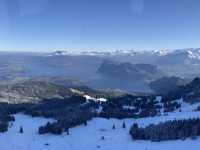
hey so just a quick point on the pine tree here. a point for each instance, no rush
(103, 138)
(85, 123)
(21, 130)
(113, 127)
(67, 130)
(124, 125)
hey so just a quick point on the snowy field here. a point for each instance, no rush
(89, 137)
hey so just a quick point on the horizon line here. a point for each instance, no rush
(97, 50)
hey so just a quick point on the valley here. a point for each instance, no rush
(99, 74)
(76, 100)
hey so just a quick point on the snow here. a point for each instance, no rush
(101, 99)
(193, 54)
(162, 52)
(186, 107)
(128, 107)
(99, 110)
(13, 140)
(95, 99)
(89, 137)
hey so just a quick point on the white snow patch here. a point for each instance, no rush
(95, 99)
(128, 107)
(187, 107)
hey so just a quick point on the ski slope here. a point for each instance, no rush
(89, 137)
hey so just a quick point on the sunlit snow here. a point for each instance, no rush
(89, 137)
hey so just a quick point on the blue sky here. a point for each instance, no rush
(42, 25)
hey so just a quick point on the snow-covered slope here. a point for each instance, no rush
(90, 137)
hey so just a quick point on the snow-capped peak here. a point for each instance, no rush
(194, 54)
(162, 52)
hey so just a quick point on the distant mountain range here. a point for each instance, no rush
(89, 67)
(193, 53)
(180, 62)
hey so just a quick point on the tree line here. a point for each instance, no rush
(170, 130)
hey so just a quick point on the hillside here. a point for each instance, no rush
(31, 90)
(128, 71)
(107, 122)
(189, 92)
(165, 85)
(89, 137)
